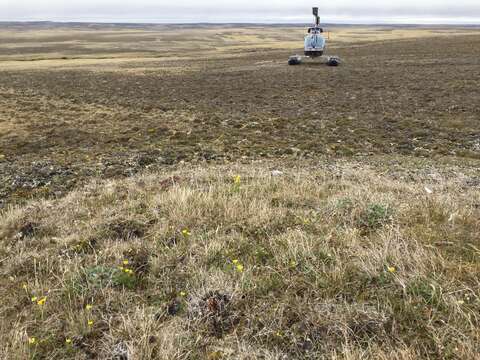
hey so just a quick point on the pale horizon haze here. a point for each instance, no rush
(247, 11)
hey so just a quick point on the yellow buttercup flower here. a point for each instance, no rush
(237, 179)
(34, 298)
(90, 322)
(88, 307)
(125, 262)
(68, 341)
(186, 233)
(127, 271)
(42, 301)
(32, 341)
(293, 263)
(391, 269)
(183, 293)
(235, 261)
(239, 267)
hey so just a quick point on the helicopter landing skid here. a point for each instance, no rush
(327, 60)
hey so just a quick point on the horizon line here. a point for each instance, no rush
(126, 22)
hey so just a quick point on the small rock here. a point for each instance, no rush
(120, 351)
(276, 173)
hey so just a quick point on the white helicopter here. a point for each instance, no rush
(315, 44)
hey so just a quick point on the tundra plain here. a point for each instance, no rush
(179, 192)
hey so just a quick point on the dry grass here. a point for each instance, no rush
(357, 250)
(108, 48)
(337, 262)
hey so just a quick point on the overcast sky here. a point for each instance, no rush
(161, 11)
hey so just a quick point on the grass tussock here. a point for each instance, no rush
(232, 262)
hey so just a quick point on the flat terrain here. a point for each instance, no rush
(179, 192)
(84, 101)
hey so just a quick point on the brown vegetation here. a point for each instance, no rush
(323, 261)
(143, 214)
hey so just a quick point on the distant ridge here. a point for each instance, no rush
(211, 24)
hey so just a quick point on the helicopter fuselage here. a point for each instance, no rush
(314, 42)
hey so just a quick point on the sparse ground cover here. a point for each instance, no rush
(139, 217)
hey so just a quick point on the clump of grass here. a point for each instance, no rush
(296, 266)
(374, 216)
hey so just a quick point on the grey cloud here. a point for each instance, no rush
(247, 10)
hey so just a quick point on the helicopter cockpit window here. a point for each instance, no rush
(315, 30)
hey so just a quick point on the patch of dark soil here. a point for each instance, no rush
(27, 230)
(138, 260)
(213, 313)
(124, 229)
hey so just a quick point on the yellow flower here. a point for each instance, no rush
(42, 301)
(34, 299)
(125, 262)
(391, 269)
(237, 179)
(127, 271)
(68, 341)
(88, 307)
(90, 322)
(239, 267)
(293, 263)
(32, 341)
(183, 293)
(235, 261)
(186, 233)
